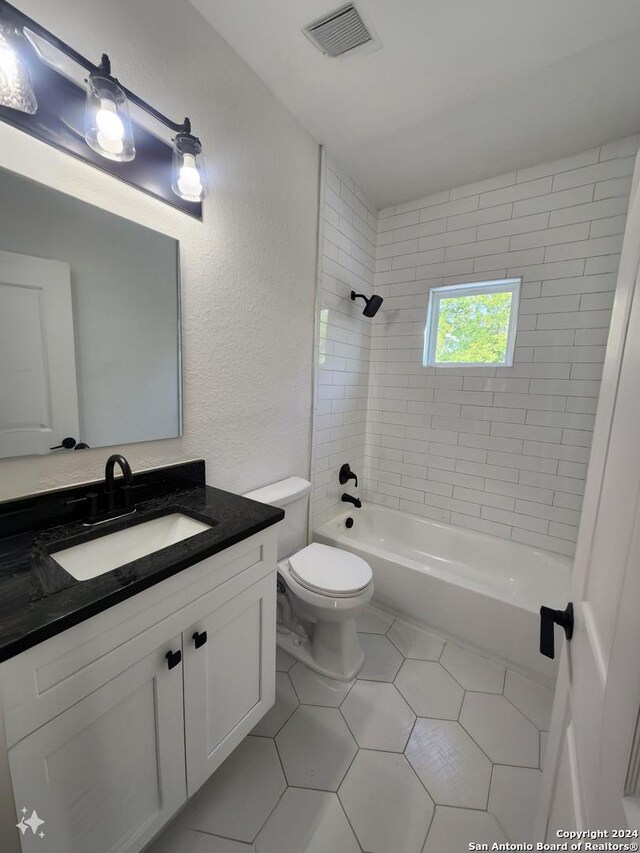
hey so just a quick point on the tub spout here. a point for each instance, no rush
(351, 500)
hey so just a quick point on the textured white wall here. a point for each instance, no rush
(347, 261)
(500, 450)
(248, 270)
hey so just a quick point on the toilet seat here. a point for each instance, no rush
(330, 571)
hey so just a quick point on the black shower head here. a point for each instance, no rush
(372, 303)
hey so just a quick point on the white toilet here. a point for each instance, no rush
(323, 589)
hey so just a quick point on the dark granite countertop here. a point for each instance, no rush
(39, 599)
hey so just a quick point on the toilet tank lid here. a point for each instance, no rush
(282, 493)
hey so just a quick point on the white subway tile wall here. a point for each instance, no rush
(347, 262)
(500, 450)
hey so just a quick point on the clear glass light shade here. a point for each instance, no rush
(108, 129)
(15, 83)
(187, 179)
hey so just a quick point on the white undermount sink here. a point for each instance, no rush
(99, 556)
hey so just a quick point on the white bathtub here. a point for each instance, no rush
(484, 590)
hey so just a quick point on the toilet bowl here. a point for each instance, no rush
(327, 589)
(323, 589)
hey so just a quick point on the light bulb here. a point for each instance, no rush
(187, 169)
(110, 127)
(16, 91)
(189, 182)
(8, 63)
(108, 120)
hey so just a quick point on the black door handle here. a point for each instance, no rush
(173, 658)
(199, 638)
(548, 619)
(68, 444)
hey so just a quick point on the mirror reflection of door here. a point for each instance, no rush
(122, 347)
(38, 391)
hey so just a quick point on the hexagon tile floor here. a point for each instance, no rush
(431, 747)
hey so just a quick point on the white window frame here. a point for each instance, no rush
(436, 294)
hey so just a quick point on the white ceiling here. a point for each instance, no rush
(460, 90)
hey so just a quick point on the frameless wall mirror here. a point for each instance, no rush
(89, 325)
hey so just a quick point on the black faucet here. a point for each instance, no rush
(94, 503)
(109, 480)
(351, 500)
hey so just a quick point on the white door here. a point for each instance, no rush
(38, 393)
(591, 769)
(229, 677)
(106, 774)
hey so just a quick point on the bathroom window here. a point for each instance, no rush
(472, 324)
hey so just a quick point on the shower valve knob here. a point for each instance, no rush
(345, 474)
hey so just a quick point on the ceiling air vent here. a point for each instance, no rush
(339, 31)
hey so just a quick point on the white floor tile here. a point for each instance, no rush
(285, 704)
(514, 790)
(453, 829)
(500, 730)
(388, 797)
(429, 689)
(316, 748)
(374, 621)
(534, 700)
(414, 642)
(386, 804)
(378, 716)
(240, 795)
(307, 822)
(315, 689)
(382, 659)
(453, 769)
(472, 671)
(284, 662)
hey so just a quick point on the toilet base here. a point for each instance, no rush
(334, 650)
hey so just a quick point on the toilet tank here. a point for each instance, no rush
(291, 495)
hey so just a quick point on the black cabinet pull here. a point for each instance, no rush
(548, 619)
(173, 658)
(199, 638)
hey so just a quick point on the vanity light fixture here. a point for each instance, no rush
(167, 170)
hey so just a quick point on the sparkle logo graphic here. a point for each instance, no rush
(33, 823)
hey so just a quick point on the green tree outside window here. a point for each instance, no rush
(473, 328)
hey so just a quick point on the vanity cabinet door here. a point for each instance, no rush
(229, 677)
(106, 774)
